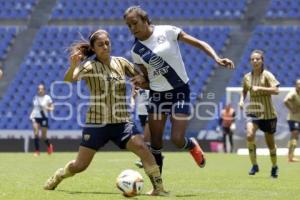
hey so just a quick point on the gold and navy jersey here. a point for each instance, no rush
(293, 97)
(260, 105)
(107, 87)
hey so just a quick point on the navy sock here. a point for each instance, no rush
(158, 157)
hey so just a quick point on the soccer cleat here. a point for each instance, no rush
(294, 159)
(36, 153)
(274, 172)
(198, 154)
(139, 164)
(158, 193)
(54, 180)
(254, 170)
(50, 149)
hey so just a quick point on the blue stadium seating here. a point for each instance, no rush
(279, 9)
(177, 9)
(7, 33)
(16, 9)
(281, 45)
(47, 61)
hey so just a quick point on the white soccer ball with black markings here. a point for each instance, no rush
(130, 182)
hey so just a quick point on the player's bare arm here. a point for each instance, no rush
(225, 62)
(242, 99)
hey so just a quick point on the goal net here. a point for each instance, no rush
(282, 134)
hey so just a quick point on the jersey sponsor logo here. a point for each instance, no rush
(114, 78)
(161, 71)
(156, 61)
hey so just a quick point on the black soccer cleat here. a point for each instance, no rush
(254, 170)
(274, 172)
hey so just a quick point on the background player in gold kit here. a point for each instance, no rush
(261, 84)
(292, 102)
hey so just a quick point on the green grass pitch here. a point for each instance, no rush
(224, 177)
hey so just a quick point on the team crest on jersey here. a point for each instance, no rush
(161, 39)
(86, 137)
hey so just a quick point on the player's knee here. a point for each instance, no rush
(250, 135)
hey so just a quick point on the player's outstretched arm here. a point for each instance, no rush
(225, 62)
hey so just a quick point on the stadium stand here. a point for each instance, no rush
(288, 9)
(7, 34)
(16, 9)
(177, 9)
(282, 47)
(46, 62)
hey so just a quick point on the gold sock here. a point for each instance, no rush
(252, 152)
(273, 157)
(292, 146)
(155, 177)
(67, 172)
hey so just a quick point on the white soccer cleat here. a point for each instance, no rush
(54, 180)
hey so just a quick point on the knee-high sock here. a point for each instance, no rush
(158, 157)
(36, 143)
(155, 177)
(273, 157)
(292, 146)
(252, 152)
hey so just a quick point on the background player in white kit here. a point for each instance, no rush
(42, 104)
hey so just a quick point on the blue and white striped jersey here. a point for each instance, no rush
(161, 56)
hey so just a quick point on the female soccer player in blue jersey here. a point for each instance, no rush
(156, 51)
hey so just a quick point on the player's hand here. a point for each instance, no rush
(75, 58)
(225, 62)
(138, 80)
(241, 105)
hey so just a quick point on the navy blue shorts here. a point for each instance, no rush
(265, 125)
(171, 101)
(96, 137)
(43, 122)
(294, 125)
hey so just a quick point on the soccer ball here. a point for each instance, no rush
(130, 182)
